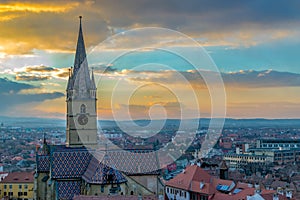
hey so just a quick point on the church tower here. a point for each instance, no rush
(81, 101)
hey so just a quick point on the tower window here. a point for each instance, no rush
(82, 108)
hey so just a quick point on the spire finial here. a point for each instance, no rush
(80, 17)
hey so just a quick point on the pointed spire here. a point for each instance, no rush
(45, 149)
(80, 49)
(93, 85)
(81, 84)
(44, 141)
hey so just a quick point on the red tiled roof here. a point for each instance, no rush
(217, 181)
(191, 173)
(270, 196)
(19, 177)
(207, 188)
(242, 185)
(241, 195)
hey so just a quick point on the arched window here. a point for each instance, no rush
(82, 108)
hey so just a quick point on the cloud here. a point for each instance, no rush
(31, 77)
(34, 25)
(40, 73)
(259, 79)
(11, 96)
(51, 6)
(40, 68)
(240, 79)
(8, 86)
(103, 69)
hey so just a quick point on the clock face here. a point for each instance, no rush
(83, 119)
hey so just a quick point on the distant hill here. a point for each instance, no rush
(31, 122)
(204, 122)
(229, 122)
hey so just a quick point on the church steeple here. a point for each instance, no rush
(80, 55)
(81, 100)
(80, 83)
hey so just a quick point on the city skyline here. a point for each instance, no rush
(256, 54)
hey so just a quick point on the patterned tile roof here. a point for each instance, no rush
(43, 163)
(69, 162)
(66, 162)
(134, 162)
(67, 189)
(99, 173)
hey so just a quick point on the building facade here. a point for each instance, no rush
(17, 185)
(240, 160)
(277, 143)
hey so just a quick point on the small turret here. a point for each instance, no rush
(223, 170)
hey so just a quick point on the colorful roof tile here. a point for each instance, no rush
(68, 189)
(134, 162)
(69, 162)
(98, 172)
(43, 163)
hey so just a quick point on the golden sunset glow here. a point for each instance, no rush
(256, 59)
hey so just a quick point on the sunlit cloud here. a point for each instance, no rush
(40, 73)
(20, 77)
(55, 7)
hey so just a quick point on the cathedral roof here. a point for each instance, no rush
(99, 172)
(135, 162)
(69, 162)
(66, 162)
(67, 189)
(43, 163)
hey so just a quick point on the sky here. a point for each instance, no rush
(252, 45)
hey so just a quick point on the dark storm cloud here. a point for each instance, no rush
(10, 95)
(8, 86)
(208, 14)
